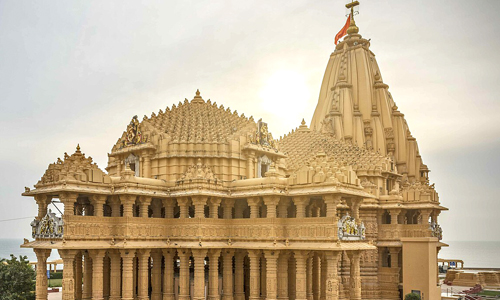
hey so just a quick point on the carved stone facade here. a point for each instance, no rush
(321, 213)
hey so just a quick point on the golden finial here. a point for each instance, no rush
(353, 29)
(197, 92)
(303, 122)
(78, 147)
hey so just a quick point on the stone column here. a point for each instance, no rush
(394, 215)
(250, 165)
(283, 275)
(87, 277)
(115, 275)
(355, 204)
(97, 273)
(394, 257)
(199, 203)
(68, 199)
(324, 276)
(143, 275)
(271, 202)
(300, 203)
(425, 213)
(168, 276)
(332, 283)
(254, 204)
(78, 276)
(41, 273)
(214, 207)
(309, 278)
(292, 267)
(331, 202)
(128, 202)
(184, 274)
(184, 203)
(42, 201)
(146, 168)
(263, 271)
(227, 276)
(317, 277)
(213, 274)
(355, 280)
(144, 202)
(227, 208)
(115, 204)
(128, 256)
(98, 203)
(169, 205)
(254, 256)
(107, 279)
(68, 282)
(239, 275)
(283, 208)
(300, 277)
(156, 275)
(271, 274)
(199, 273)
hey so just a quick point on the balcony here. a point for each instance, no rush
(397, 231)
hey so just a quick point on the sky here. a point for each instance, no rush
(77, 71)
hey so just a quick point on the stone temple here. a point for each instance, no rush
(200, 202)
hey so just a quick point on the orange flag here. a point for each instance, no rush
(343, 31)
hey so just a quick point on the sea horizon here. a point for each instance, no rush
(475, 254)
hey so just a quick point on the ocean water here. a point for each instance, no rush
(474, 254)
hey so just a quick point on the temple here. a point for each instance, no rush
(200, 202)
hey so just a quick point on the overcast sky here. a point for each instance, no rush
(77, 71)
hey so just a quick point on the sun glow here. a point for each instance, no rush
(286, 96)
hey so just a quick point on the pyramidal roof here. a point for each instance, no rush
(355, 105)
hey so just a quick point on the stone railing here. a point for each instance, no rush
(395, 232)
(270, 229)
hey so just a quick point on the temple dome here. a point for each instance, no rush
(355, 105)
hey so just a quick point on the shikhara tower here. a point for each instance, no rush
(200, 202)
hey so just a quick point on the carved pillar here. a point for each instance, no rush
(156, 208)
(42, 201)
(332, 283)
(156, 275)
(292, 267)
(107, 279)
(239, 276)
(309, 279)
(127, 274)
(317, 277)
(271, 273)
(394, 257)
(78, 276)
(227, 276)
(87, 277)
(169, 205)
(213, 274)
(41, 273)
(355, 204)
(68, 199)
(331, 202)
(184, 203)
(128, 202)
(184, 274)
(355, 280)
(254, 204)
(199, 203)
(271, 202)
(115, 204)
(68, 282)
(283, 208)
(300, 277)
(144, 202)
(425, 213)
(213, 209)
(227, 208)
(394, 215)
(263, 277)
(300, 203)
(97, 273)
(146, 167)
(254, 256)
(98, 203)
(199, 273)
(324, 276)
(168, 276)
(250, 165)
(115, 275)
(283, 275)
(143, 276)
